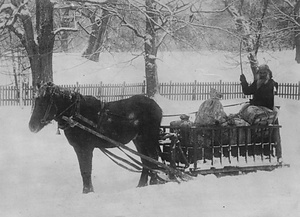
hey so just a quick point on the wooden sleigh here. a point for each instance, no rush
(223, 150)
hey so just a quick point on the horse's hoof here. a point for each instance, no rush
(141, 185)
(158, 181)
(88, 190)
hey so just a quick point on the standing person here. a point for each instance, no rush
(262, 89)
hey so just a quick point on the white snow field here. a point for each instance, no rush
(40, 175)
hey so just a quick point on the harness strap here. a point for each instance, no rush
(44, 119)
(182, 175)
(91, 123)
(111, 156)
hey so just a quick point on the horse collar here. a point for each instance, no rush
(77, 105)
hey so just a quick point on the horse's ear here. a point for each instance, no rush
(55, 90)
(50, 83)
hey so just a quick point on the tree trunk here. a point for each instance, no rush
(39, 47)
(297, 45)
(297, 31)
(64, 35)
(97, 35)
(151, 50)
(46, 37)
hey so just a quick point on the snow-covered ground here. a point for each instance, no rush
(40, 175)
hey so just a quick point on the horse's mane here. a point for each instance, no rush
(50, 89)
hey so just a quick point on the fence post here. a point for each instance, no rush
(144, 87)
(100, 90)
(123, 90)
(21, 94)
(298, 90)
(220, 88)
(170, 90)
(194, 90)
(77, 87)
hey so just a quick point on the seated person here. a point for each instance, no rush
(262, 88)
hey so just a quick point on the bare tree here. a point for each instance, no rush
(160, 18)
(249, 28)
(37, 36)
(289, 12)
(37, 41)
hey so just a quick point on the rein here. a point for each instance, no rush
(225, 106)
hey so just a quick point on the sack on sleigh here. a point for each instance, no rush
(211, 111)
(184, 122)
(258, 115)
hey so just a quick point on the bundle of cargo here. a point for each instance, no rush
(258, 115)
(227, 144)
(211, 111)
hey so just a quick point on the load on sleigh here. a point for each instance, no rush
(251, 135)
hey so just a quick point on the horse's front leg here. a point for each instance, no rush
(85, 156)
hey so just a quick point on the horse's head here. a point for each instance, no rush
(44, 109)
(49, 101)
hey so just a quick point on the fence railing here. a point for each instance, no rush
(11, 95)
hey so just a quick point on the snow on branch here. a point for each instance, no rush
(212, 11)
(9, 13)
(287, 16)
(64, 29)
(136, 32)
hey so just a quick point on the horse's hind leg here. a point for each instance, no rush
(147, 147)
(85, 156)
(145, 172)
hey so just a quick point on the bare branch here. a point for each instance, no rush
(213, 11)
(64, 29)
(13, 12)
(84, 29)
(216, 28)
(100, 2)
(128, 25)
(289, 3)
(260, 26)
(290, 18)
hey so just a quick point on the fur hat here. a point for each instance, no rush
(265, 67)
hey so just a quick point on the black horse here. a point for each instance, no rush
(137, 118)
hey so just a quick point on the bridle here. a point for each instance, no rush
(46, 115)
(56, 116)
